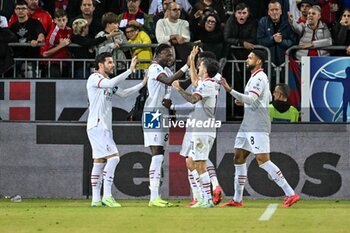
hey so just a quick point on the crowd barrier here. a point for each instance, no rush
(53, 160)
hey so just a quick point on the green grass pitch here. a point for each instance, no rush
(57, 215)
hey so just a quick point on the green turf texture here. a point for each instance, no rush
(56, 215)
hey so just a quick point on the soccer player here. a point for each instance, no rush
(160, 79)
(253, 135)
(204, 97)
(105, 153)
(193, 176)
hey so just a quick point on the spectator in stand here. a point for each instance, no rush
(86, 51)
(27, 30)
(240, 30)
(341, 33)
(210, 34)
(304, 7)
(55, 45)
(101, 7)
(36, 12)
(136, 36)
(313, 34)
(135, 16)
(87, 8)
(6, 53)
(280, 109)
(175, 31)
(158, 6)
(197, 12)
(112, 44)
(122, 6)
(257, 11)
(329, 11)
(275, 33)
(161, 15)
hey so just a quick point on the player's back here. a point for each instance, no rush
(256, 116)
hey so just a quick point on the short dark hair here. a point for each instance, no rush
(212, 66)
(108, 17)
(101, 58)
(160, 48)
(284, 89)
(21, 3)
(274, 1)
(60, 13)
(241, 6)
(260, 54)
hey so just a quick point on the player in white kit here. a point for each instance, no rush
(254, 133)
(156, 136)
(202, 138)
(193, 176)
(105, 154)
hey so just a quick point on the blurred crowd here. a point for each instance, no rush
(107, 25)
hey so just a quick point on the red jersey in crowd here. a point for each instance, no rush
(53, 39)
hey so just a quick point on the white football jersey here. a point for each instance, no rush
(157, 90)
(100, 102)
(256, 116)
(204, 110)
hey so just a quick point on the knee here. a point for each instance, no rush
(190, 164)
(238, 159)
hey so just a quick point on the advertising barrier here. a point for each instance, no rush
(53, 160)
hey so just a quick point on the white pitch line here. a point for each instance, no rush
(270, 210)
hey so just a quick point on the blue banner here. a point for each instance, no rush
(329, 89)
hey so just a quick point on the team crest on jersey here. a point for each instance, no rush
(152, 120)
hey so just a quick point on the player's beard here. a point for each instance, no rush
(250, 67)
(108, 72)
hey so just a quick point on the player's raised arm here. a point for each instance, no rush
(129, 91)
(113, 82)
(191, 61)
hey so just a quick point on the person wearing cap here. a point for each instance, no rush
(304, 7)
(254, 133)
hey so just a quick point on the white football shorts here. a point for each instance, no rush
(256, 143)
(156, 138)
(186, 144)
(102, 142)
(201, 147)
